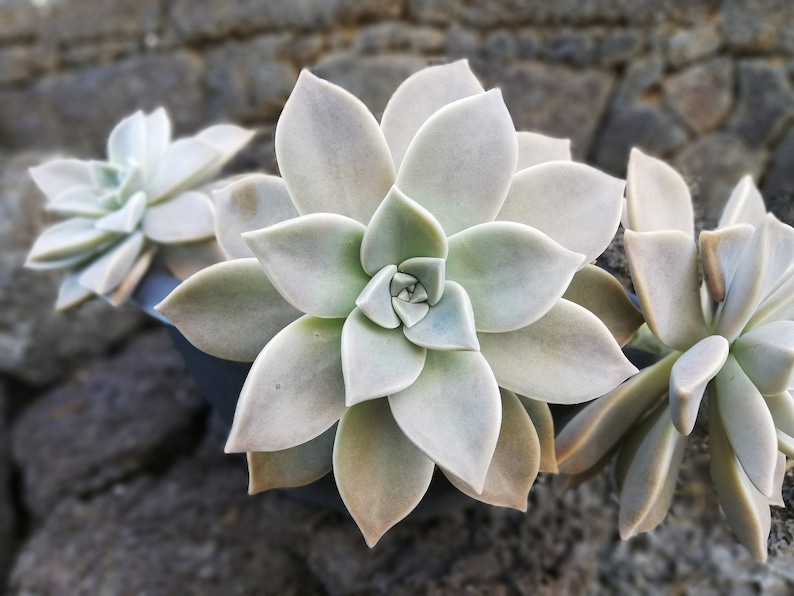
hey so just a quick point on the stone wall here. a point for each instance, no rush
(111, 480)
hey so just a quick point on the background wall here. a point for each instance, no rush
(112, 478)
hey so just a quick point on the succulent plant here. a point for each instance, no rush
(407, 312)
(721, 317)
(147, 197)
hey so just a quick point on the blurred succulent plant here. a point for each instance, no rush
(722, 320)
(146, 197)
(421, 279)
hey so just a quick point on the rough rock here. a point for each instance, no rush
(765, 103)
(642, 77)
(717, 162)
(20, 64)
(574, 47)
(397, 37)
(9, 526)
(760, 26)
(115, 418)
(500, 45)
(702, 94)
(554, 100)
(621, 46)
(778, 178)
(38, 345)
(693, 44)
(17, 19)
(69, 20)
(77, 111)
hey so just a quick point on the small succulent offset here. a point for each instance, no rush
(146, 197)
(405, 295)
(722, 320)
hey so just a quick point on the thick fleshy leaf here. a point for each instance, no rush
(778, 306)
(515, 462)
(331, 152)
(249, 203)
(410, 313)
(228, 139)
(184, 260)
(689, 377)
(720, 253)
(109, 270)
(183, 164)
(158, 137)
(764, 264)
(381, 474)
(453, 413)
(780, 475)
(229, 310)
(575, 204)
(78, 200)
(419, 97)
(657, 197)
(647, 482)
(461, 161)
(54, 177)
(746, 509)
(534, 148)
(185, 218)
(449, 325)
(748, 424)
(313, 261)
(67, 239)
(745, 205)
(540, 414)
(126, 219)
(297, 466)
(782, 409)
(566, 357)
(375, 299)
(512, 273)
(600, 425)
(280, 405)
(127, 286)
(400, 229)
(71, 292)
(127, 144)
(766, 354)
(376, 362)
(601, 294)
(664, 269)
(431, 273)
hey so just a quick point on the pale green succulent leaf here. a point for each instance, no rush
(109, 270)
(419, 97)
(664, 269)
(331, 152)
(745, 205)
(375, 299)
(720, 252)
(78, 200)
(575, 204)
(158, 137)
(513, 273)
(745, 508)
(229, 310)
(766, 354)
(126, 219)
(601, 294)
(461, 161)
(780, 475)
(689, 377)
(281, 406)
(785, 443)
(183, 165)
(185, 218)
(431, 273)
(515, 462)
(376, 362)
(540, 414)
(66, 239)
(400, 229)
(59, 175)
(249, 203)
(313, 261)
(409, 313)
(566, 357)
(227, 139)
(657, 198)
(124, 290)
(183, 260)
(127, 143)
(782, 409)
(453, 413)
(297, 466)
(748, 424)
(651, 476)
(381, 475)
(448, 325)
(778, 306)
(71, 292)
(535, 148)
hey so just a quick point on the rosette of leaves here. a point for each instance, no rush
(421, 279)
(719, 313)
(148, 197)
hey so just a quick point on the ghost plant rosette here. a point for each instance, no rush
(722, 317)
(146, 198)
(422, 301)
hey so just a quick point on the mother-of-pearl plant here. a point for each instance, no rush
(722, 318)
(148, 197)
(420, 265)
